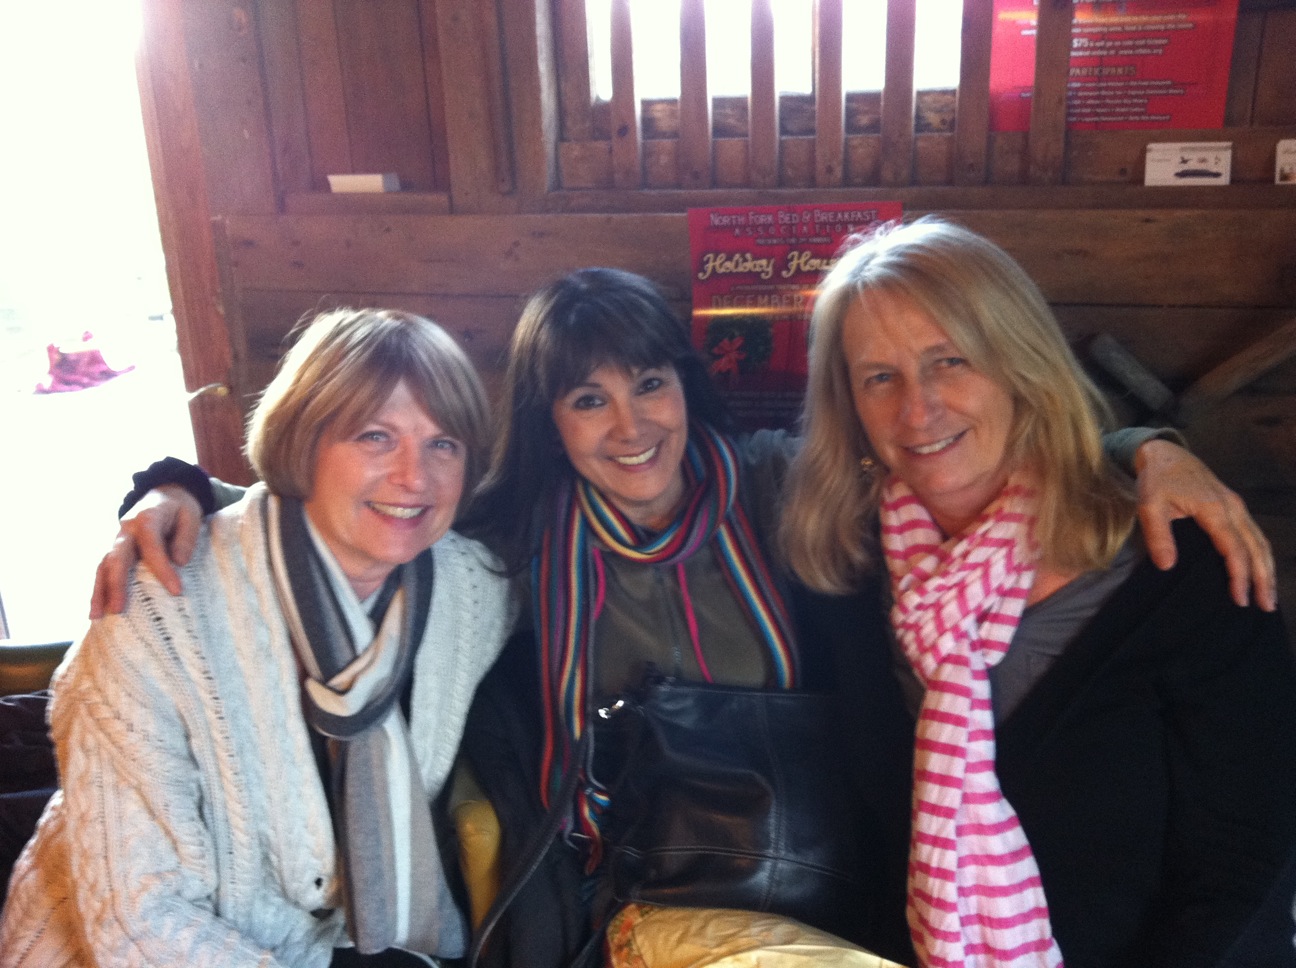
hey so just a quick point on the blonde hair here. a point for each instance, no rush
(340, 371)
(998, 319)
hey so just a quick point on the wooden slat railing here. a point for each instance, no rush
(573, 71)
(627, 143)
(763, 101)
(972, 117)
(898, 95)
(695, 161)
(830, 101)
(1046, 151)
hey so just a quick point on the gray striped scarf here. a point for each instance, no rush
(395, 889)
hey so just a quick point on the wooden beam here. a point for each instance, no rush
(830, 101)
(530, 63)
(763, 100)
(573, 71)
(1046, 142)
(972, 120)
(695, 163)
(322, 92)
(1240, 369)
(898, 95)
(627, 144)
(184, 219)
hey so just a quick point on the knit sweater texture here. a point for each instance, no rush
(192, 826)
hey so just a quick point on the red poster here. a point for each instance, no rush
(755, 271)
(1134, 64)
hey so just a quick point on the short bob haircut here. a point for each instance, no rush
(574, 325)
(338, 374)
(998, 319)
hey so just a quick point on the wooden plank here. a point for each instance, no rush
(796, 164)
(933, 159)
(1259, 199)
(491, 69)
(585, 164)
(972, 131)
(1247, 37)
(763, 99)
(322, 89)
(695, 165)
(220, 38)
(1243, 367)
(1177, 344)
(482, 325)
(898, 95)
(172, 139)
(533, 85)
(573, 70)
(451, 255)
(1046, 141)
(368, 203)
(470, 116)
(385, 89)
(627, 142)
(830, 105)
(1103, 157)
(434, 85)
(1190, 257)
(1008, 158)
(1275, 100)
(283, 79)
(1184, 257)
(731, 162)
(661, 171)
(863, 159)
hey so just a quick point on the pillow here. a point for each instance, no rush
(646, 936)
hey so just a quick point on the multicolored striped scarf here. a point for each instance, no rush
(975, 896)
(568, 586)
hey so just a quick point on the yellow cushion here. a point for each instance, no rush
(479, 855)
(645, 936)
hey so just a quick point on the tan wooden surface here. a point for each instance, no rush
(695, 99)
(1276, 78)
(184, 219)
(322, 91)
(898, 95)
(627, 142)
(972, 136)
(763, 104)
(1158, 257)
(573, 67)
(386, 98)
(1046, 142)
(830, 118)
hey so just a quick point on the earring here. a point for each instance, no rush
(868, 465)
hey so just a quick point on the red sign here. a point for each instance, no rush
(755, 271)
(1134, 64)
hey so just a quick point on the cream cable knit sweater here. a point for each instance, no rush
(192, 827)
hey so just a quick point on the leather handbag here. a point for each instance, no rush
(732, 798)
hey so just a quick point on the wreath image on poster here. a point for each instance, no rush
(738, 346)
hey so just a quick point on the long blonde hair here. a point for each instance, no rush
(998, 319)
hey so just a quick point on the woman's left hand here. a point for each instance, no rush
(1173, 483)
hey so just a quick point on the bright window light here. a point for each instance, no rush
(655, 24)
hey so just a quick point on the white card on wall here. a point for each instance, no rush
(1189, 163)
(1285, 165)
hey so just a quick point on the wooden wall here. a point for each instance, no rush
(512, 176)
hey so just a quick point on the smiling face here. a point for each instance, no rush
(626, 433)
(387, 491)
(932, 418)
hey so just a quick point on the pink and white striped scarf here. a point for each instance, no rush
(975, 897)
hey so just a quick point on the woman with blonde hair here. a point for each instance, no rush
(1105, 761)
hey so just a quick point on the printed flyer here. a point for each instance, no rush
(755, 271)
(1135, 64)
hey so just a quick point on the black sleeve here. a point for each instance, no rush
(171, 470)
